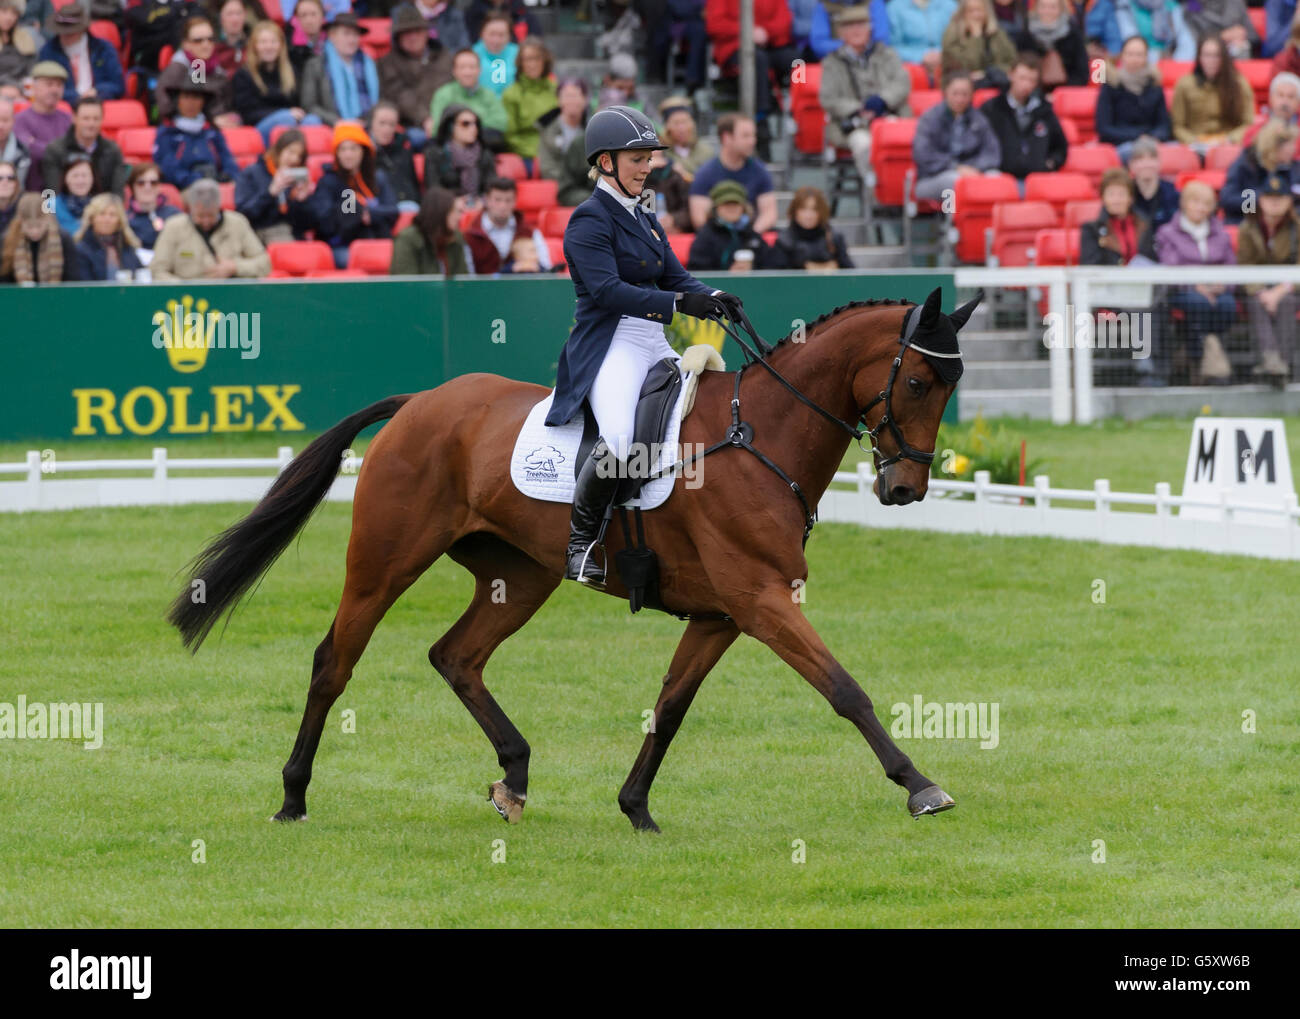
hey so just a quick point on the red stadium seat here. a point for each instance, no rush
(1015, 226)
(1078, 213)
(404, 219)
(891, 158)
(982, 96)
(1172, 70)
(1176, 158)
(371, 257)
(973, 201)
(1092, 160)
(1059, 188)
(245, 144)
(418, 160)
(553, 221)
(1214, 178)
(681, 245)
(316, 165)
(136, 144)
(1222, 156)
(1259, 18)
(467, 219)
(535, 196)
(805, 107)
(511, 166)
(172, 193)
(923, 99)
(378, 39)
(228, 195)
(920, 77)
(320, 137)
(1071, 131)
(109, 32)
(1079, 104)
(555, 247)
(1056, 247)
(123, 113)
(1259, 73)
(300, 258)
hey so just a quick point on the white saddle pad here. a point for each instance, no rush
(542, 463)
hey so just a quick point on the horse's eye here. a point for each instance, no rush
(916, 386)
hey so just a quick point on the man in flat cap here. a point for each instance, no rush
(862, 80)
(92, 64)
(42, 122)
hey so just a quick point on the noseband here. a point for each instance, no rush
(906, 451)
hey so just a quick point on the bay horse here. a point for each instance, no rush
(435, 481)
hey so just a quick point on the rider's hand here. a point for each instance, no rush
(700, 305)
(731, 302)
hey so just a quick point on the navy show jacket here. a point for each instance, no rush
(619, 267)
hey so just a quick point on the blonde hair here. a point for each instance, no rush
(1195, 187)
(287, 80)
(991, 25)
(107, 200)
(1271, 136)
(31, 209)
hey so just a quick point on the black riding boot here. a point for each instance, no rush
(597, 481)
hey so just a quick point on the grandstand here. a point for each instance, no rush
(994, 229)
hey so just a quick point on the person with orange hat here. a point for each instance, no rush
(353, 199)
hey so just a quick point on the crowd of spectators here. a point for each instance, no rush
(422, 142)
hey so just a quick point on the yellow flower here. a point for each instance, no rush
(960, 464)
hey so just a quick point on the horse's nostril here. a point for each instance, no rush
(902, 494)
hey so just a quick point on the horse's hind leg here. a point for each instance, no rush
(367, 596)
(701, 646)
(509, 588)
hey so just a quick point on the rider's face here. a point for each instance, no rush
(633, 168)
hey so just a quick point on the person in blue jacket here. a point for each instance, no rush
(1278, 16)
(72, 41)
(628, 285)
(353, 200)
(187, 146)
(823, 41)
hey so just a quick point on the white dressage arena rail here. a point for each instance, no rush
(1010, 510)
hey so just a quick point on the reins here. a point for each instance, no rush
(741, 433)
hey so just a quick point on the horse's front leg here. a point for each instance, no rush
(777, 620)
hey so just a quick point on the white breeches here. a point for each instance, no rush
(636, 346)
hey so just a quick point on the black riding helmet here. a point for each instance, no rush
(615, 129)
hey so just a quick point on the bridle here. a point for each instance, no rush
(741, 433)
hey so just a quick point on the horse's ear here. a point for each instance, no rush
(931, 311)
(960, 317)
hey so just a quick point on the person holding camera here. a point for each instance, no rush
(861, 81)
(274, 192)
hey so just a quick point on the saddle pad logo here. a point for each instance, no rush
(540, 464)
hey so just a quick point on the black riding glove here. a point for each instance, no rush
(732, 303)
(700, 305)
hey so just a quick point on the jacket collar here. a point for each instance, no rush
(620, 215)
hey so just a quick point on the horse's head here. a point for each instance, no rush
(903, 408)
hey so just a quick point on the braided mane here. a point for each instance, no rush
(875, 302)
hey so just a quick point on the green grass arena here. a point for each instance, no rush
(1123, 790)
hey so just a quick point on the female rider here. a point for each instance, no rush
(629, 284)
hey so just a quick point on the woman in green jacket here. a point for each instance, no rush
(975, 42)
(432, 244)
(528, 97)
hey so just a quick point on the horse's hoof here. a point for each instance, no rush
(284, 815)
(508, 804)
(930, 800)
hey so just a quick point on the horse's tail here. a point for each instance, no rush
(236, 558)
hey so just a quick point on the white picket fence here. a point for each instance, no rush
(1029, 511)
(1012, 510)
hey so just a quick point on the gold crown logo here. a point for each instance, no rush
(189, 326)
